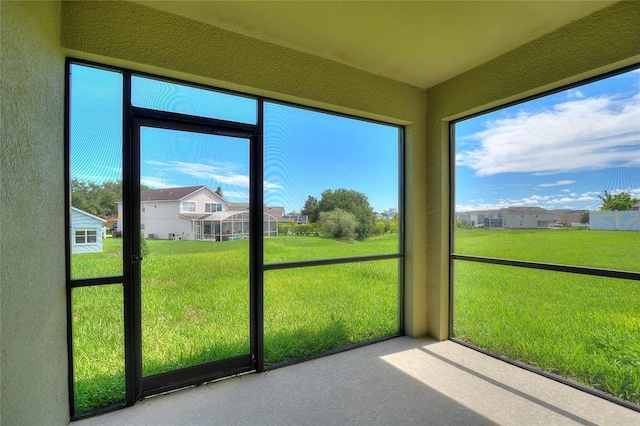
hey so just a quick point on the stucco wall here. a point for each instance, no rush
(126, 34)
(32, 274)
(601, 42)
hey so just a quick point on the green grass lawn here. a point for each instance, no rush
(581, 327)
(195, 306)
(568, 246)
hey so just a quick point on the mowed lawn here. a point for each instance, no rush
(582, 327)
(195, 306)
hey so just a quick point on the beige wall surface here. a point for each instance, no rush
(127, 34)
(602, 42)
(32, 299)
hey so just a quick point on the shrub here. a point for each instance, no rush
(379, 227)
(144, 246)
(339, 224)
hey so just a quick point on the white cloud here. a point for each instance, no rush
(558, 183)
(225, 174)
(270, 186)
(586, 200)
(575, 94)
(585, 134)
(154, 182)
(535, 199)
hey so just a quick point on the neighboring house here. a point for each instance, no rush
(636, 206)
(566, 217)
(196, 213)
(526, 217)
(299, 219)
(479, 218)
(390, 213)
(469, 218)
(87, 232)
(112, 220)
(276, 212)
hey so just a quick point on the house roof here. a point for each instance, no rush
(526, 209)
(88, 214)
(568, 211)
(170, 194)
(478, 212)
(220, 215)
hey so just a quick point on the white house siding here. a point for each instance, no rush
(164, 219)
(527, 220)
(160, 218)
(476, 218)
(614, 220)
(81, 220)
(202, 196)
(567, 217)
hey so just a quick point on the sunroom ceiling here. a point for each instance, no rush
(420, 43)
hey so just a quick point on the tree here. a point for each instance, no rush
(219, 191)
(619, 202)
(378, 227)
(353, 202)
(339, 223)
(99, 200)
(584, 218)
(310, 209)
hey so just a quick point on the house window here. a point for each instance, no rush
(188, 206)
(212, 207)
(548, 297)
(86, 236)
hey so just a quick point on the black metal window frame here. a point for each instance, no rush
(570, 269)
(130, 116)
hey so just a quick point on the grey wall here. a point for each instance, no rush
(32, 275)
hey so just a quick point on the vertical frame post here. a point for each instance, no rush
(256, 241)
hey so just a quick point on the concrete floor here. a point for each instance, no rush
(402, 381)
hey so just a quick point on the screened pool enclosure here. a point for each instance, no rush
(228, 225)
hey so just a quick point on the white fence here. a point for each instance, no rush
(615, 221)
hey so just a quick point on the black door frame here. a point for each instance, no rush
(137, 385)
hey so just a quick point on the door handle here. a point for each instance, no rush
(136, 258)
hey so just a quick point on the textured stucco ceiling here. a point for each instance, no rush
(421, 43)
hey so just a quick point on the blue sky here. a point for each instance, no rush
(556, 152)
(560, 151)
(305, 152)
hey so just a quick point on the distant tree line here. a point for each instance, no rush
(99, 200)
